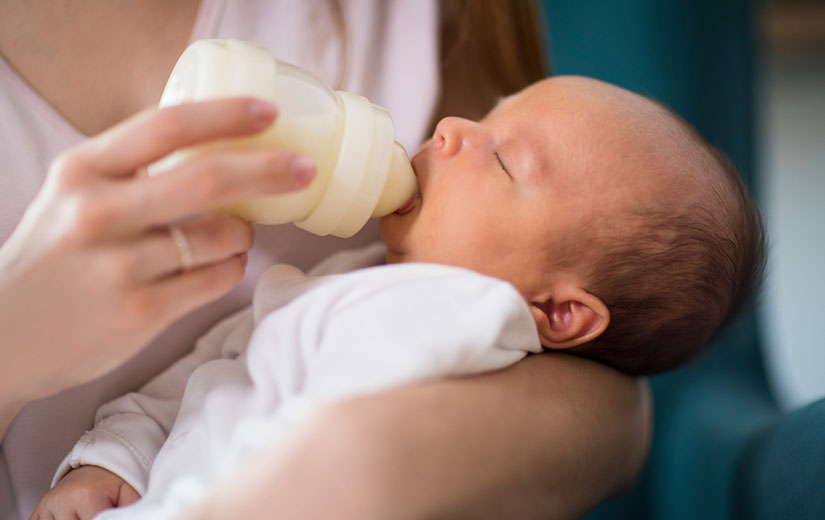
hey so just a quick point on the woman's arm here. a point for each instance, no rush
(129, 431)
(550, 437)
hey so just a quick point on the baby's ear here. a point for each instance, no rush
(570, 317)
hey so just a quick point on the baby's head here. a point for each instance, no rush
(630, 238)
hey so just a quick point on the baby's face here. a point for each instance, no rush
(502, 195)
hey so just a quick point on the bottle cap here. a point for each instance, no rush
(372, 176)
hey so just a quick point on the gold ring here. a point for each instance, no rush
(184, 251)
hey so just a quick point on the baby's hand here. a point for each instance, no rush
(83, 493)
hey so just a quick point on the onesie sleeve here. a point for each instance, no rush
(387, 326)
(130, 430)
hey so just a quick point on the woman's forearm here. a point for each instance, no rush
(548, 438)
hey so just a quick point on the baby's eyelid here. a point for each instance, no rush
(500, 162)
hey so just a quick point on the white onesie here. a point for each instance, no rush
(306, 341)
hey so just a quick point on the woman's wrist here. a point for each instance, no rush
(8, 411)
(13, 397)
(15, 390)
(24, 373)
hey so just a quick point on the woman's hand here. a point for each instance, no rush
(549, 437)
(93, 273)
(83, 493)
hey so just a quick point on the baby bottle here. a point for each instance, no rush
(361, 171)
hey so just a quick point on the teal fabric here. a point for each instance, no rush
(721, 448)
(783, 471)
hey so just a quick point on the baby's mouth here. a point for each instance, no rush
(409, 205)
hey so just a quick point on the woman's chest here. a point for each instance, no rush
(95, 64)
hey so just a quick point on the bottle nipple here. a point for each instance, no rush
(400, 185)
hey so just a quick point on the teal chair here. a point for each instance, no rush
(722, 449)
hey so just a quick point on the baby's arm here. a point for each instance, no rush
(394, 325)
(111, 463)
(423, 322)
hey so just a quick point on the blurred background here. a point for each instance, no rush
(740, 433)
(791, 166)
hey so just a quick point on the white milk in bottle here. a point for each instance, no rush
(361, 171)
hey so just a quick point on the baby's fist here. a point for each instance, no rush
(83, 493)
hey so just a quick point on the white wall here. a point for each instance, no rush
(791, 152)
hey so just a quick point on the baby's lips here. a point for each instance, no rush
(409, 205)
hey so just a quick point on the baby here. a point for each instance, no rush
(576, 216)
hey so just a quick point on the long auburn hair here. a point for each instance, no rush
(488, 49)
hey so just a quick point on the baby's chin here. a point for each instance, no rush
(394, 230)
(394, 257)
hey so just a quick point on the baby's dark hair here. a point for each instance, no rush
(678, 275)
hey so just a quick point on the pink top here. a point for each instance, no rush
(392, 60)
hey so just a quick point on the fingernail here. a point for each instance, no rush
(303, 169)
(262, 111)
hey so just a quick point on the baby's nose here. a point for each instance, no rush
(451, 133)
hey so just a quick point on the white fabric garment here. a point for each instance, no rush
(305, 341)
(391, 58)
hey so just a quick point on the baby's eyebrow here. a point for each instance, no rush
(526, 163)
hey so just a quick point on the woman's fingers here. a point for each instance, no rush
(152, 134)
(207, 181)
(212, 181)
(157, 254)
(90, 232)
(170, 298)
